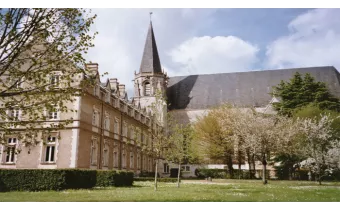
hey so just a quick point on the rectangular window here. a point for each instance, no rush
(138, 161)
(107, 123)
(106, 155)
(14, 114)
(124, 160)
(125, 129)
(166, 168)
(115, 157)
(132, 166)
(94, 149)
(132, 133)
(53, 113)
(50, 149)
(54, 80)
(95, 118)
(10, 150)
(185, 168)
(116, 126)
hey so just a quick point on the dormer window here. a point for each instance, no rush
(147, 89)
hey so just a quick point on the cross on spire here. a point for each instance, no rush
(150, 16)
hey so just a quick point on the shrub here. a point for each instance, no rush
(46, 179)
(144, 179)
(213, 173)
(147, 174)
(123, 178)
(105, 178)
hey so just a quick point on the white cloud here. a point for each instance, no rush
(203, 55)
(314, 40)
(122, 33)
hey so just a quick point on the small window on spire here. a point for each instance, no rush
(147, 89)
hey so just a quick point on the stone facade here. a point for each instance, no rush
(99, 137)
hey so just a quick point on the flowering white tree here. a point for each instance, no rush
(319, 145)
(252, 133)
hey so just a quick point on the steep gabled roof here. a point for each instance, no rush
(150, 60)
(251, 88)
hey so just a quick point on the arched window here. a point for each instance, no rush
(147, 89)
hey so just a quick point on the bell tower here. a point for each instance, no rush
(150, 79)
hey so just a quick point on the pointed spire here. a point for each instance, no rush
(150, 60)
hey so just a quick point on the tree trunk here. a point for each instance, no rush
(230, 166)
(264, 168)
(179, 174)
(239, 170)
(254, 167)
(156, 172)
(290, 173)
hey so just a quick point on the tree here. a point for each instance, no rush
(250, 132)
(300, 92)
(41, 59)
(180, 150)
(214, 141)
(319, 144)
(159, 132)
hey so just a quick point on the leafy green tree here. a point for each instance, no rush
(41, 67)
(181, 150)
(213, 141)
(302, 91)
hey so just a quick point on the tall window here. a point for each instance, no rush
(50, 149)
(116, 126)
(132, 166)
(10, 150)
(166, 168)
(144, 163)
(147, 89)
(125, 129)
(107, 123)
(95, 118)
(132, 133)
(53, 113)
(115, 156)
(124, 160)
(106, 155)
(138, 161)
(14, 114)
(94, 149)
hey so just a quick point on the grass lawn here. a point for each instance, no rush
(193, 190)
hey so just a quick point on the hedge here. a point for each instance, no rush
(60, 179)
(114, 178)
(144, 179)
(147, 174)
(224, 173)
(46, 179)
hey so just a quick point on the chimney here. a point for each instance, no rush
(113, 83)
(121, 90)
(92, 68)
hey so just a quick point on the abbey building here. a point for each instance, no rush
(108, 125)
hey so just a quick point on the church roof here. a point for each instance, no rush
(240, 88)
(150, 60)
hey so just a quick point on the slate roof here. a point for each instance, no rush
(150, 60)
(240, 88)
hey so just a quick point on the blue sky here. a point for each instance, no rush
(203, 41)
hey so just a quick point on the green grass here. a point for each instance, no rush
(193, 190)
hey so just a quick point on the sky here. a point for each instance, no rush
(207, 41)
